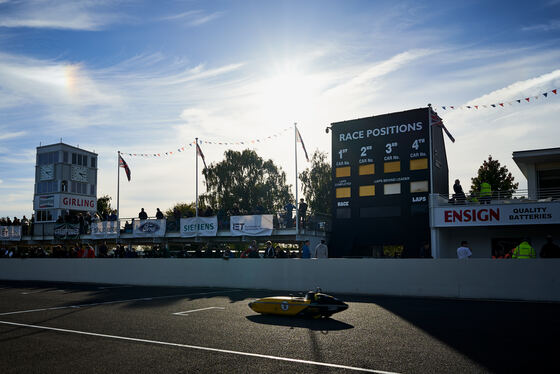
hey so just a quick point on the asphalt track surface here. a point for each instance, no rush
(90, 328)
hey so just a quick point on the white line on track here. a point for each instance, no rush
(186, 312)
(32, 292)
(119, 301)
(240, 353)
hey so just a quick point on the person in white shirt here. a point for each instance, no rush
(321, 250)
(464, 251)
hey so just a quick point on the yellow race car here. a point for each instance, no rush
(315, 304)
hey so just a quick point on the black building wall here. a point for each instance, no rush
(381, 182)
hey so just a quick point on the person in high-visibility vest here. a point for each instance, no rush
(524, 250)
(485, 193)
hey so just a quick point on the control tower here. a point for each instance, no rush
(65, 181)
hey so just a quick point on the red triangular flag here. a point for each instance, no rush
(554, 91)
(527, 99)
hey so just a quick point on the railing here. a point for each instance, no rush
(317, 222)
(499, 197)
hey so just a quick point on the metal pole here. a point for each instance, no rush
(433, 231)
(295, 158)
(196, 155)
(118, 182)
(118, 193)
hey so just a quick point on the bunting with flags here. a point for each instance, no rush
(300, 140)
(124, 165)
(527, 99)
(182, 149)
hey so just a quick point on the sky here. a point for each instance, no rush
(145, 77)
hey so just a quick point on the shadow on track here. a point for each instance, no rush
(323, 324)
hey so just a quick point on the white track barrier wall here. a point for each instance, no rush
(537, 280)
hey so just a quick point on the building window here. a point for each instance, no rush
(93, 162)
(92, 189)
(64, 186)
(74, 158)
(44, 215)
(65, 156)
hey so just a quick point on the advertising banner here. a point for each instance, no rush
(77, 202)
(46, 202)
(257, 225)
(497, 215)
(12, 233)
(104, 230)
(64, 231)
(148, 228)
(201, 226)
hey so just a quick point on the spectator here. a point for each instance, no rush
(302, 211)
(142, 215)
(305, 251)
(159, 214)
(464, 251)
(269, 251)
(549, 250)
(321, 250)
(103, 250)
(177, 216)
(228, 254)
(24, 225)
(524, 250)
(113, 216)
(280, 253)
(289, 208)
(425, 251)
(459, 196)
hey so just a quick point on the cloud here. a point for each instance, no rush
(58, 14)
(521, 89)
(5, 136)
(543, 27)
(194, 17)
(378, 70)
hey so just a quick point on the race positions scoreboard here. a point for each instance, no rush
(381, 182)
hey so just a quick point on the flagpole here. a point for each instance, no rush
(295, 158)
(118, 192)
(196, 155)
(434, 245)
(118, 181)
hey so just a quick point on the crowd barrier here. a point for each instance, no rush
(534, 280)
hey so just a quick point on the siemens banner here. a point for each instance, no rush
(199, 226)
(257, 225)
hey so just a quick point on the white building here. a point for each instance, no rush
(495, 228)
(65, 181)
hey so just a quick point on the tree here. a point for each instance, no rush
(499, 178)
(185, 209)
(104, 205)
(246, 180)
(317, 183)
